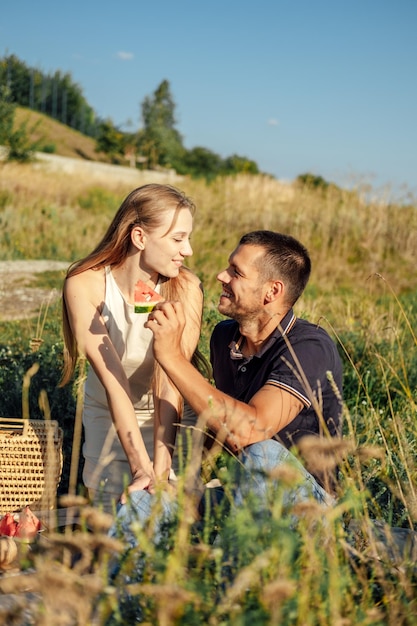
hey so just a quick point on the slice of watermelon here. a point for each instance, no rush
(145, 298)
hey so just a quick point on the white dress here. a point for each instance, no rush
(106, 468)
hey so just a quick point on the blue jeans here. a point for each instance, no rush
(252, 479)
(255, 476)
(141, 508)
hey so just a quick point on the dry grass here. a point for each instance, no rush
(352, 243)
(47, 204)
(349, 240)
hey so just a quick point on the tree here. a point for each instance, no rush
(200, 162)
(312, 181)
(53, 94)
(7, 112)
(159, 141)
(110, 140)
(16, 141)
(236, 164)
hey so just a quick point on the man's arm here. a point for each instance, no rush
(166, 395)
(240, 424)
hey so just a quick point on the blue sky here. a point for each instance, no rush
(323, 86)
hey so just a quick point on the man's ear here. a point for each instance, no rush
(138, 237)
(275, 289)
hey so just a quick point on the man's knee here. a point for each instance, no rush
(265, 455)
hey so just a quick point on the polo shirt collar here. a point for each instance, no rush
(281, 330)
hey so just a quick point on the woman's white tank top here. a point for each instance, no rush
(133, 343)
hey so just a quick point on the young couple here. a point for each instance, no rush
(271, 369)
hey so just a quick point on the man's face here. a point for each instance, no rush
(243, 292)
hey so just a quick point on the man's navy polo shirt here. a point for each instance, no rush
(315, 356)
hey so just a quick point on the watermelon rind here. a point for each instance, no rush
(145, 307)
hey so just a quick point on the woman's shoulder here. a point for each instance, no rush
(89, 281)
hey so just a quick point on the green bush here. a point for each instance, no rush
(98, 200)
(48, 148)
(14, 363)
(17, 141)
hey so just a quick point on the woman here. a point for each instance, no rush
(129, 431)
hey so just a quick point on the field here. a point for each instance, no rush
(339, 569)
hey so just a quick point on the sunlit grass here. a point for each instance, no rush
(335, 567)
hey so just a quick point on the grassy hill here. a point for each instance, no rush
(59, 138)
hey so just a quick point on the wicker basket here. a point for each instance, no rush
(30, 463)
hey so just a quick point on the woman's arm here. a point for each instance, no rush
(83, 294)
(167, 399)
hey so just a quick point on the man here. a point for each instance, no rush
(278, 378)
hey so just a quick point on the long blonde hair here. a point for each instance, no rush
(144, 206)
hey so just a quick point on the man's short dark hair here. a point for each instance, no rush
(285, 259)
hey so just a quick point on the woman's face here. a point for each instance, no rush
(166, 246)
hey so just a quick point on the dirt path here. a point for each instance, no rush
(18, 300)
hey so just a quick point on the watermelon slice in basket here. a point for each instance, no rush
(145, 298)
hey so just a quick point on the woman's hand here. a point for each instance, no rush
(143, 483)
(142, 480)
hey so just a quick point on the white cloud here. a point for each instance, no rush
(272, 122)
(125, 56)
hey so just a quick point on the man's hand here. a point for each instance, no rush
(167, 322)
